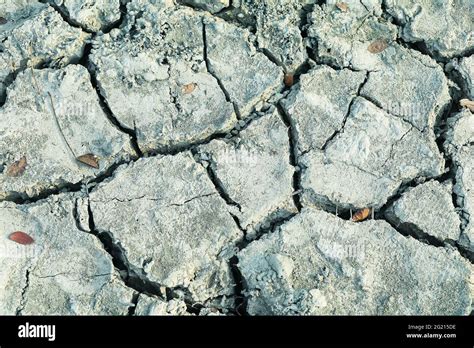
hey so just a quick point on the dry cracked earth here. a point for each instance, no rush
(244, 157)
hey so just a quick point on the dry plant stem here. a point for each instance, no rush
(55, 116)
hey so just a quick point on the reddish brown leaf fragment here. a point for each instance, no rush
(342, 6)
(90, 159)
(289, 80)
(189, 88)
(21, 238)
(361, 215)
(17, 168)
(378, 46)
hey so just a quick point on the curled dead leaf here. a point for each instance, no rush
(17, 168)
(189, 88)
(466, 103)
(361, 215)
(342, 6)
(289, 80)
(90, 159)
(21, 238)
(378, 46)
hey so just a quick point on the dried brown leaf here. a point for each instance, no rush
(189, 88)
(21, 238)
(361, 215)
(90, 159)
(378, 46)
(289, 80)
(342, 6)
(466, 103)
(17, 168)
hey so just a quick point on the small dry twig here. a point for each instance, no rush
(378, 46)
(89, 159)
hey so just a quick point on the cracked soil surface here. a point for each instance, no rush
(244, 157)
